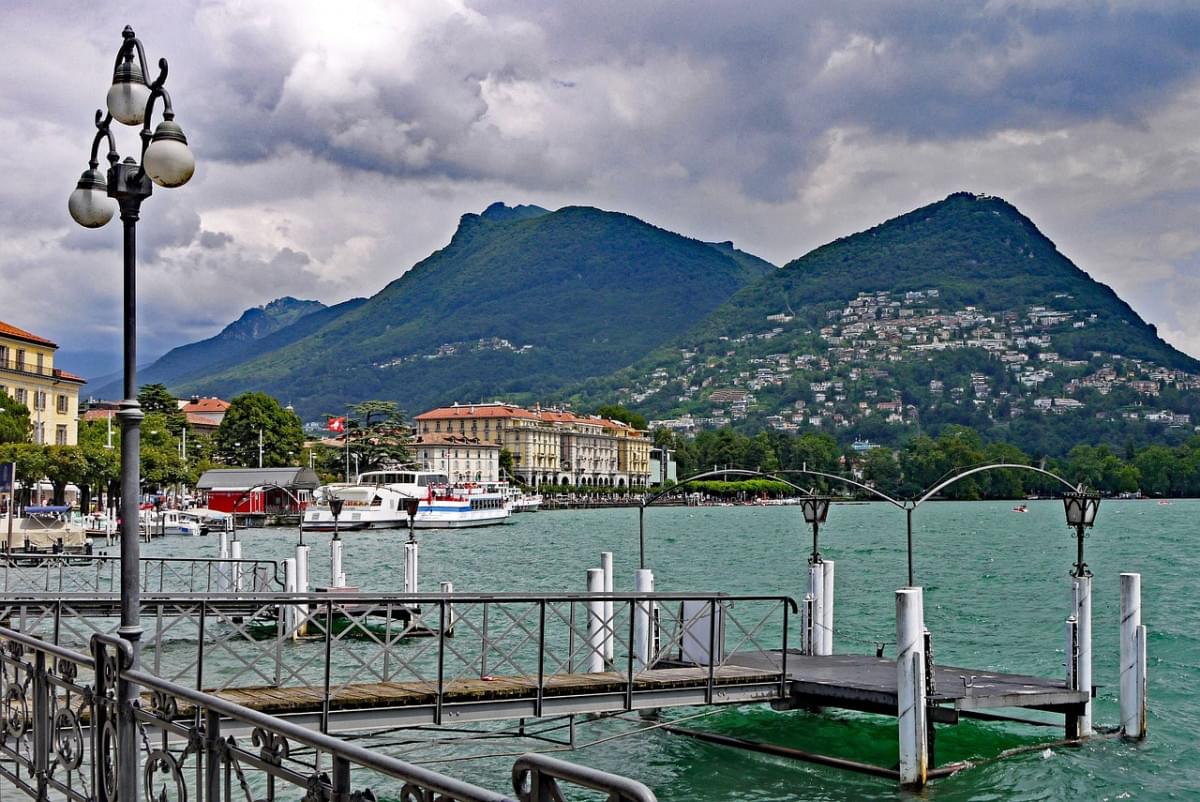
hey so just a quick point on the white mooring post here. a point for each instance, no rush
(910, 686)
(337, 579)
(815, 621)
(222, 579)
(451, 618)
(411, 567)
(1133, 659)
(235, 574)
(1081, 607)
(643, 579)
(606, 565)
(302, 587)
(289, 586)
(827, 608)
(595, 626)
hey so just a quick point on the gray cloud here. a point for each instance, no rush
(338, 144)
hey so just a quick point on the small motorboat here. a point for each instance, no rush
(1020, 508)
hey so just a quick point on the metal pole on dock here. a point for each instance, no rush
(595, 626)
(1133, 659)
(910, 687)
(606, 565)
(816, 618)
(1081, 603)
(337, 578)
(222, 555)
(643, 579)
(451, 617)
(301, 587)
(289, 586)
(411, 556)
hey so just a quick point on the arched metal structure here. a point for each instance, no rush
(908, 505)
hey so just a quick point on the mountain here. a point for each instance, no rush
(961, 311)
(521, 301)
(258, 330)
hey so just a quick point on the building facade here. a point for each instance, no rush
(550, 446)
(28, 375)
(461, 458)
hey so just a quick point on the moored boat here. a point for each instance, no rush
(377, 501)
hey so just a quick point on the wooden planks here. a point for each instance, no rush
(357, 696)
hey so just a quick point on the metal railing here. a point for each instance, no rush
(99, 573)
(66, 734)
(423, 654)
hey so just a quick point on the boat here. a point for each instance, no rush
(170, 522)
(101, 524)
(208, 520)
(1020, 508)
(44, 529)
(376, 500)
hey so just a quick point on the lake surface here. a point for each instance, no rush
(996, 596)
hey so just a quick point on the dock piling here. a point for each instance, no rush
(643, 583)
(1081, 601)
(302, 587)
(337, 578)
(910, 687)
(411, 556)
(235, 577)
(606, 565)
(288, 612)
(827, 608)
(1133, 659)
(595, 626)
(451, 618)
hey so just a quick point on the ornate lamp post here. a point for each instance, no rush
(166, 161)
(1081, 508)
(815, 509)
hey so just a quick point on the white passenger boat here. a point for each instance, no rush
(377, 501)
(170, 522)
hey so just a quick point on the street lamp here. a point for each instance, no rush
(1081, 508)
(166, 161)
(815, 509)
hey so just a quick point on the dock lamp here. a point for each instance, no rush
(815, 509)
(335, 508)
(1081, 507)
(410, 507)
(166, 161)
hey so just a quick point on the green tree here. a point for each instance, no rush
(64, 465)
(31, 465)
(506, 463)
(156, 398)
(379, 436)
(881, 468)
(102, 463)
(162, 464)
(620, 413)
(14, 421)
(1157, 465)
(254, 415)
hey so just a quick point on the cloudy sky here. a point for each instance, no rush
(338, 143)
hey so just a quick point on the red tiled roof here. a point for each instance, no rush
(201, 421)
(98, 414)
(205, 405)
(68, 376)
(476, 411)
(7, 330)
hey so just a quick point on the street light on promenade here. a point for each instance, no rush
(166, 161)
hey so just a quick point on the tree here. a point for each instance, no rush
(14, 421)
(619, 413)
(506, 463)
(156, 398)
(64, 465)
(881, 468)
(380, 436)
(31, 464)
(102, 462)
(161, 462)
(251, 415)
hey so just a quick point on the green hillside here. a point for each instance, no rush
(520, 301)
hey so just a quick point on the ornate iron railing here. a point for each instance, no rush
(74, 728)
(101, 573)
(423, 654)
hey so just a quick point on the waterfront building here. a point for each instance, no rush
(204, 415)
(461, 458)
(550, 446)
(258, 492)
(28, 375)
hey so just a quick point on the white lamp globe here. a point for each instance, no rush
(169, 161)
(128, 94)
(89, 204)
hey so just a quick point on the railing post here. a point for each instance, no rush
(441, 662)
(541, 655)
(483, 650)
(212, 756)
(712, 645)
(328, 665)
(595, 627)
(783, 675)
(341, 779)
(42, 725)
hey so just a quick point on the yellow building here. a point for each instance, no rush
(28, 375)
(550, 446)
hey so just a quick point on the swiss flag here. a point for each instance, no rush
(337, 424)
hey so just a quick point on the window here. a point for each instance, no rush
(60, 435)
(20, 359)
(41, 363)
(20, 395)
(39, 399)
(3, 356)
(62, 404)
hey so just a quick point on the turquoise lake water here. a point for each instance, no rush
(996, 595)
